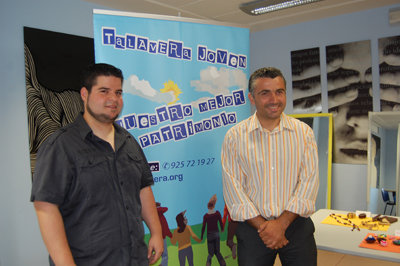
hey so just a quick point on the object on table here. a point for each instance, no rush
(384, 219)
(371, 225)
(367, 214)
(370, 239)
(376, 218)
(389, 219)
(383, 243)
(351, 215)
(381, 237)
(362, 216)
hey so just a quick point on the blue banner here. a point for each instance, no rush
(185, 86)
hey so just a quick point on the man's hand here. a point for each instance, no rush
(150, 217)
(53, 232)
(272, 233)
(156, 248)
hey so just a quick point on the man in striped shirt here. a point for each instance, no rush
(270, 178)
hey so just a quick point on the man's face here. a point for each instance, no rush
(269, 98)
(104, 102)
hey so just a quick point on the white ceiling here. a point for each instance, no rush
(227, 11)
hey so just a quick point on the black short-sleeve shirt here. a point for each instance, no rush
(97, 191)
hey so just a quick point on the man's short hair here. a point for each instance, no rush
(265, 72)
(91, 72)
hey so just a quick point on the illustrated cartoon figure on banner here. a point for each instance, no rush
(165, 232)
(211, 220)
(183, 235)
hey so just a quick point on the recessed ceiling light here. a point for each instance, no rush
(260, 7)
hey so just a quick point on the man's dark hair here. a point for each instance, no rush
(265, 72)
(91, 72)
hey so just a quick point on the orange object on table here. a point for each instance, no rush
(390, 246)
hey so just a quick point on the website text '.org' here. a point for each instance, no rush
(170, 178)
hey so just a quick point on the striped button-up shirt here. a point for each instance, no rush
(267, 172)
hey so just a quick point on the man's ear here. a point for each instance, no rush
(84, 94)
(251, 98)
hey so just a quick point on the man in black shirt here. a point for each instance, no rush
(92, 184)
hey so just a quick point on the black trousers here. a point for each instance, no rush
(301, 250)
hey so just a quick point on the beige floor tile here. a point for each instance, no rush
(328, 258)
(350, 260)
(325, 258)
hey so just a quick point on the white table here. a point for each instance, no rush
(341, 239)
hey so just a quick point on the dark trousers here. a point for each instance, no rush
(301, 250)
(213, 246)
(186, 253)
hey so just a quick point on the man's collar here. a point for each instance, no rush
(85, 130)
(284, 123)
(83, 126)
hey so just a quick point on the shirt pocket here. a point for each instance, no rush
(94, 175)
(131, 171)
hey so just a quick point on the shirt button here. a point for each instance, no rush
(122, 183)
(126, 207)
